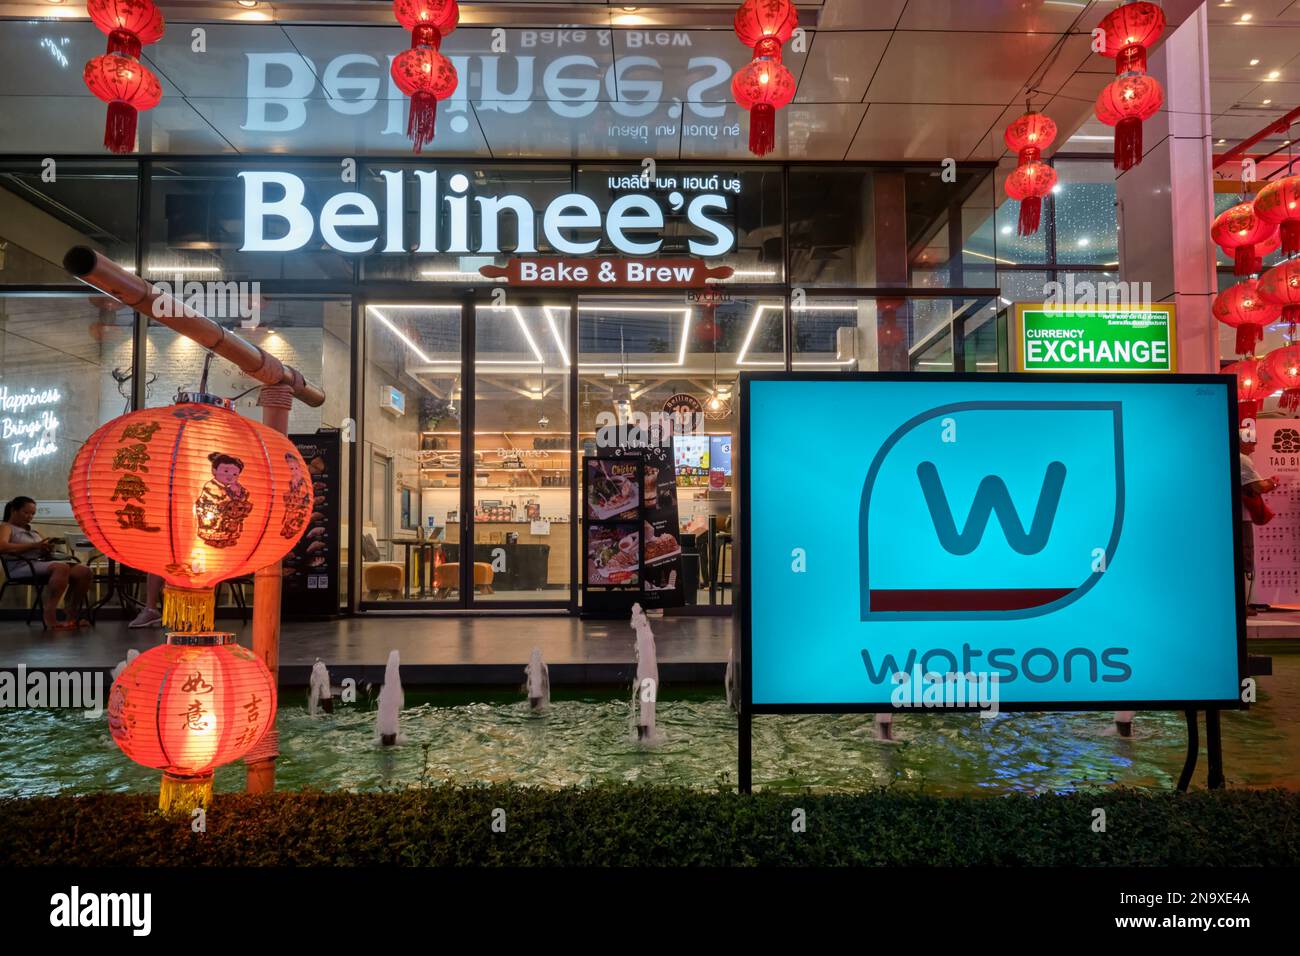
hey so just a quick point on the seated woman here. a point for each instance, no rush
(19, 544)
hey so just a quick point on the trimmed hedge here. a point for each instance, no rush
(658, 826)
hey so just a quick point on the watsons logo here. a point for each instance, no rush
(572, 86)
(1002, 665)
(277, 219)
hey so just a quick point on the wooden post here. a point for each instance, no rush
(276, 401)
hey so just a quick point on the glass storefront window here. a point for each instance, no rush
(1087, 226)
(65, 369)
(87, 203)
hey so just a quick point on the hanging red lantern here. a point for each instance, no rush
(762, 86)
(1238, 232)
(127, 86)
(765, 25)
(1029, 184)
(1242, 307)
(194, 493)
(1125, 103)
(426, 76)
(128, 23)
(1280, 286)
(428, 20)
(1254, 384)
(1283, 366)
(1130, 29)
(186, 707)
(1029, 135)
(1278, 203)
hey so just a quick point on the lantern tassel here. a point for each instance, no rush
(1128, 143)
(124, 42)
(1290, 399)
(182, 795)
(189, 610)
(1245, 262)
(1248, 409)
(1248, 337)
(762, 129)
(1030, 212)
(426, 34)
(1290, 237)
(423, 118)
(119, 129)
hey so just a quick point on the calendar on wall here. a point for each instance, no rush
(1277, 544)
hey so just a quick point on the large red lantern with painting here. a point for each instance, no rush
(426, 76)
(422, 72)
(1280, 285)
(1242, 307)
(1254, 384)
(1278, 204)
(1029, 135)
(194, 493)
(1243, 235)
(186, 707)
(127, 86)
(1029, 184)
(1126, 103)
(128, 23)
(1130, 29)
(762, 86)
(1283, 366)
(766, 24)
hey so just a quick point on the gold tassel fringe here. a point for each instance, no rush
(189, 610)
(184, 795)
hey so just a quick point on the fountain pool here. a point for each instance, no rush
(585, 738)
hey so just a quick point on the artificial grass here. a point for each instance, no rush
(637, 825)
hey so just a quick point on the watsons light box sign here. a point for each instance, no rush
(1023, 530)
(1095, 338)
(279, 218)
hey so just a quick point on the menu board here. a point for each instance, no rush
(311, 569)
(631, 549)
(1277, 544)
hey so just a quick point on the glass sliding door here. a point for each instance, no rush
(522, 453)
(412, 436)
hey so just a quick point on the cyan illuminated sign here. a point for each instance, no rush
(1068, 542)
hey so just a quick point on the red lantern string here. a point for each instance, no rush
(1254, 384)
(1278, 203)
(127, 86)
(1032, 180)
(422, 72)
(1242, 307)
(1133, 97)
(1280, 286)
(764, 85)
(128, 23)
(1243, 235)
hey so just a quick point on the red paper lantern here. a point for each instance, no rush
(1238, 231)
(765, 25)
(127, 86)
(1242, 307)
(426, 76)
(1129, 30)
(428, 20)
(1280, 286)
(1125, 103)
(1254, 384)
(1283, 365)
(194, 493)
(1029, 184)
(1278, 203)
(189, 706)
(1029, 136)
(128, 23)
(762, 86)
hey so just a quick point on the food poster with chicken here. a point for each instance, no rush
(612, 509)
(1277, 544)
(311, 569)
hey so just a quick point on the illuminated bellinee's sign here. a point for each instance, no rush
(572, 224)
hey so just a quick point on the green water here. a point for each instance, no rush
(471, 737)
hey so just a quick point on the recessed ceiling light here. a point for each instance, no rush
(247, 3)
(1245, 17)
(1083, 240)
(53, 1)
(1274, 74)
(1220, 142)
(1255, 62)
(1006, 230)
(1266, 102)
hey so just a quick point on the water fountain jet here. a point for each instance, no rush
(390, 701)
(537, 678)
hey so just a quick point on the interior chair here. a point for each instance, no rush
(722, 559)
(446, 578)
(379, 577)
(37, 583)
